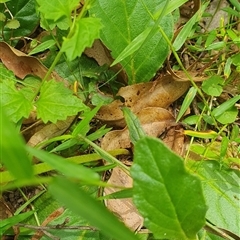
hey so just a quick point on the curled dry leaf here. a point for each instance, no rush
(50, 130)
(123, 208)
(23, 65)
(154, 121)
(160, 93)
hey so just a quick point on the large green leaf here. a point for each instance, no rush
(170, 199)
(56, 102)
(123, 22)
(82, 204)
(221, 190)
(13, 154)
(23, 11)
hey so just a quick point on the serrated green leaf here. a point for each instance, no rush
(57, 9)
(86, 31)
(56, 102)
(24, 11)
(82, 204)
(12, 24)
(221, 191)
(123, 22)
(14, 103)
(170, 199)
(13, 154)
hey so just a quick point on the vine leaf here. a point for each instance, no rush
(170, 199)
(14, 102)
(57, 11)
(86, 29)
(123, 22)
(56, 102)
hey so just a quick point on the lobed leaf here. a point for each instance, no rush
(56, 102)
(57, 10)
(170, 199)
(14, 102)
(86, 31)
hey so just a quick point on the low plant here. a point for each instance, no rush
(181, 204)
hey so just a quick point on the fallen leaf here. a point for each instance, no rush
(124, 208)
(154, 121)
(23, 65)
(99, 52)
(160, 93)
(49, 131)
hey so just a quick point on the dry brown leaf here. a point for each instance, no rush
(23, 65)
(160, 93)
(99, 53)
(50, 130)
(175, 139)
(123, 208)
(154, 121)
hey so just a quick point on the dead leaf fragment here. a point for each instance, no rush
(154, 121)
(124, 208)
(160, 93)
(49, 131)
(23, 65)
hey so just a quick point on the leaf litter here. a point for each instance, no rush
(149, 101)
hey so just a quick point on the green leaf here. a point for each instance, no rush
(12, 24)
(67, 168)
(225, 106)
(12, 148)
(126, 23)
(221, 191)
(14, 102)
(5, 224)
(86, 31)
(56, 102)
(25, 13)
(170, 199)
(216, 46)
(57, 10)
(229, 116)
(82, 204)
(187, 101)
(135, 129)
(2, 17)
(213, 86)
(43, 46)
(186, 30)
